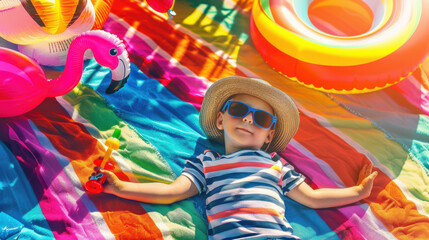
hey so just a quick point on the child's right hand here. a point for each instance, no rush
(113, 183)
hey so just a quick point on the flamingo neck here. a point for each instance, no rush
(72, 71)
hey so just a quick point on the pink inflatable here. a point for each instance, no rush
(163, 6)
(23, 84)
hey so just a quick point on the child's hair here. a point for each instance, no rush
(223, 89)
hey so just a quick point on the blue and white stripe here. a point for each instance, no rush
(244, 193)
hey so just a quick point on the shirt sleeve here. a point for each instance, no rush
(194, 171)
(290, 178)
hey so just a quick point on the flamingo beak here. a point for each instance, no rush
(120, 74)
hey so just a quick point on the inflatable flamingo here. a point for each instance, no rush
(23, 84)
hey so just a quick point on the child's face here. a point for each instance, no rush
(242, 133)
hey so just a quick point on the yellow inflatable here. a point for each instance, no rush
(44, 29)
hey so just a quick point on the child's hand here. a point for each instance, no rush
(366, 180)
(113, 184)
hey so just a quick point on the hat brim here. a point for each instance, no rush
(221, 90)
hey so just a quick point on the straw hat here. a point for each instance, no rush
(283, 106)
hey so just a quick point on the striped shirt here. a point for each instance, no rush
(243, 193)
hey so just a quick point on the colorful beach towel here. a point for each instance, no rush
(47, 154)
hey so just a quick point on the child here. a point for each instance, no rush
(243, 187)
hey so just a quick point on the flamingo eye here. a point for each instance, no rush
(113, 51)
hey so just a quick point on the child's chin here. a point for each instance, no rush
(243, 142)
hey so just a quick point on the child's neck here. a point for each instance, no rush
(230, 149)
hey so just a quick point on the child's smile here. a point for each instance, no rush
(242, 129)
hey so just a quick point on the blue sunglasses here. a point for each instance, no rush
(261, 118)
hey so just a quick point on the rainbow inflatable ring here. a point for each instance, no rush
(310, 41)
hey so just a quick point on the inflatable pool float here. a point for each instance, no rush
(305, 41)
(44, 29)
(163, 6)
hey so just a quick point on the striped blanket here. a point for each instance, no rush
(47, 154)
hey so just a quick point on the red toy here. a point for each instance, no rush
(97, 179)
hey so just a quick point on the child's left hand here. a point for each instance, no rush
(366, 180)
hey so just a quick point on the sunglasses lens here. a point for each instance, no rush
(263, 119)
(237, 109)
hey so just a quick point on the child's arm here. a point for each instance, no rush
(334, 197)
(161, 193)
